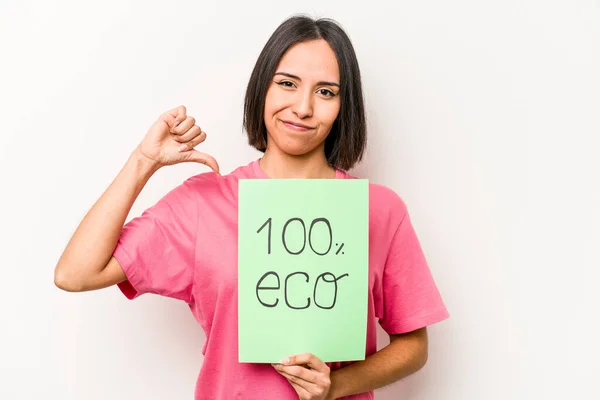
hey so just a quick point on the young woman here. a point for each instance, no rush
(304, 111)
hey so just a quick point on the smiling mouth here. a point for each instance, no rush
(296, 127)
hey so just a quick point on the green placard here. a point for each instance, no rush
(302, 268)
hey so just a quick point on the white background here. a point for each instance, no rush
(483, 117)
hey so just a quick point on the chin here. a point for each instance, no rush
(294, 146)
(294, 143)
(296, 150)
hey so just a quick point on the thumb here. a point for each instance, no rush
(203, 158)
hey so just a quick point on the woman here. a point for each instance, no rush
(304, 110)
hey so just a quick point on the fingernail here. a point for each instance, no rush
(175, 124)
(183, 147)
(285, 360)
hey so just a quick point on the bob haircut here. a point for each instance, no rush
(346, 142)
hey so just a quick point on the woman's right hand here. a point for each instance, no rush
(171, 140)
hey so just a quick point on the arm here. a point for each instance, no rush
(87, 262)
(410, 299)
(312, 379)
(405, 355)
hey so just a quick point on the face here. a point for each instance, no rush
(303, 101)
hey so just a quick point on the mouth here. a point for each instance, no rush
(296, 126)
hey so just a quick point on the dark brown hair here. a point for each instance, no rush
(345, 144)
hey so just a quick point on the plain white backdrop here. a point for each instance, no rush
(483, 117)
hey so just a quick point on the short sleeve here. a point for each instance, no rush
(157, 249)
(410, 296)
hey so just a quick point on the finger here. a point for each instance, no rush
(184, 126)
(181, 114)
(303, 387)
(190, 135)
(302, 393)
(193, 142)
(309, 359)
(203, 158)
(299, 372)
(175, 116)
(313, 377)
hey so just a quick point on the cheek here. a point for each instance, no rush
(268, 104)
(330, 113)
(274, 102)
(271, 109)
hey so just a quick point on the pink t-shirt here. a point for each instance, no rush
(185, 247)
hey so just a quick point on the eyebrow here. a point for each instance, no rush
(298, 78)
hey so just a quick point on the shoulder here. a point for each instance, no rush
(201, 180)
(209, 186)
(385, 196)
(206, 185)
(192, 185)
(211, 179)
(385, 204)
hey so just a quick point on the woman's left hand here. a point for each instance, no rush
(308, 375)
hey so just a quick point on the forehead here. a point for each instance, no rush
(314, 60)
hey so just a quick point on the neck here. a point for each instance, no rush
(279, 165)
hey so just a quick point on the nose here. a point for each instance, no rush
(303, 106)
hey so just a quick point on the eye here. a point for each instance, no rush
(285, 83)
(326, 92)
